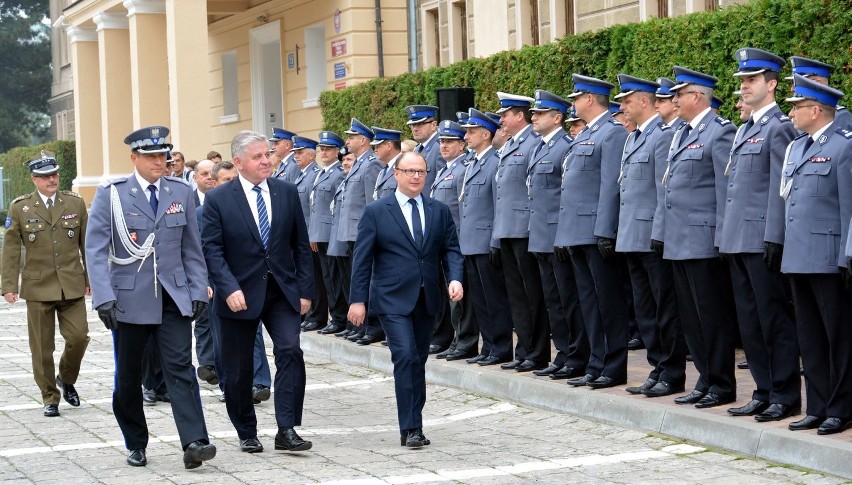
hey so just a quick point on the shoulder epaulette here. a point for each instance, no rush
(782, 117)
(722, 121)
(615, 122)
(112, 181)
(22, 197)
(801, 135)
(177, 179)
(846, 133)
(664, 127)
(72, 194)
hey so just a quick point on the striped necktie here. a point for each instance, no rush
(263, 219)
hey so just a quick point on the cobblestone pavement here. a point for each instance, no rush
(351, 418)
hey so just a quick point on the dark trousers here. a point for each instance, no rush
(767, 328)
(705, 304)
(526, 300)
(486, 290)
(341, 270)
(282, 324)
(657, 317)
(337, 305)
(408, 341)
(262, 375)
(600, 288)
(152, 370)
(173, 340)
(464, 324)
(823, 310)
(319, 305)
(443, 333)
(205, 350)
(371, 326)
(563, 309)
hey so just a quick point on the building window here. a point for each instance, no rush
(230, 88)
(317, 81)
(460, 15)
(569, 17)
(711, 5)
(535, 37)
(662, 8)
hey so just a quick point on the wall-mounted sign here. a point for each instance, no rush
(338, 48)
(291, 60)
(340, 85)
(339, 70)
(337, 21)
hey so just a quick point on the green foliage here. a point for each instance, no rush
(704, 41)
(18, 176)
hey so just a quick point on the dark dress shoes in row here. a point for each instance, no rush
(649, 383)
(529, 365)
(207, 374)
(511, 364)
(581, 381)
(332, 328)
(260, 393)
(691, 398)
(413, 439)
(51, 410)
(461, 354)
(604, 382)
(493, 360)
(196, 453)
(288, 440)
(434, 349)
(369, 339)
(312, 326)
(149, 397)
(777, 412)
(137, 457)
(547, 371)
(566, 372)
(251, 445)
(68, 392)
(635, 344)
(834, 425)
(711, 400)
(663, 388)
(752, 408)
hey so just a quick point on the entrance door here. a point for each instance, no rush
(266, 79)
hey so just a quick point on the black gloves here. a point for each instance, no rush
(772, 254)
(657, 247)
(197, 308)
(563, 254)
(495, 258)
(607, 247)
(106, 312)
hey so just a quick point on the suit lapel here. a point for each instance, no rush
(166, 198)
(40, 209)
(140, 201)
(245, 209)
(396, 213)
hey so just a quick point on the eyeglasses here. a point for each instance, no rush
(798, 106)
(48, 176)
(679, 94)
(410, 172)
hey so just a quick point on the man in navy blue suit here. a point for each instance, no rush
(258, 256)
(411, 231)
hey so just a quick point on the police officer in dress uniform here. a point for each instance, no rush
(51, 225)
(143, 253)
(544, 182)
(752, 234)
(319, 232)
(338, 250)
(485, 284)
(816, 185)
(512, 229)
(642, 167)
(423, 122)
(820, 72)
(388, 147)
(696, 188)
(282, 145)
(588, 221)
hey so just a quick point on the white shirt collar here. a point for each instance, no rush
(330, 166)
(695, 121)
(546, 138)
(522, 132)
(648, 122)
(481, 154)
(596, 119)
(248, 187)
(820, 131)
(44, 198)
(756, 115)
(144, 183)
(402, 199)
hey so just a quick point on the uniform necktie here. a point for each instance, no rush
(419, 148)
(50, 208)
(263, 219)
(684, 134)
(808, 142)
(416, 224)
(153, 199)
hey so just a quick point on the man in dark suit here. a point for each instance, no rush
(256, 245)
(408, 231)
(205, 349)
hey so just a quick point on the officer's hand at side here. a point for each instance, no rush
(198, 307)
(847, 277)
(495, 258)
(606, 246)
(11, 297)
(236, 301)
(305, 306)
(209, 293)
(106, 312)
(314, 247)
(88, 291)
(563, 255)
(657, 247)
(772, 254)
(455, 290)
(357, 314)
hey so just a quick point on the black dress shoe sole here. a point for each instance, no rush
(834, 430)
(70, 397)
(765, 418)
(51, 413)
(193, 460)
(262, 394)
(307, 445)
(813, 424)
(253, 449)
(134, 462)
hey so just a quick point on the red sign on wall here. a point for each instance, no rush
(338, 48)
(340, 85)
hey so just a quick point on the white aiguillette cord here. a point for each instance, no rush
(136, 252)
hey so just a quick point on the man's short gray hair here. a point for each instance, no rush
(243, 139)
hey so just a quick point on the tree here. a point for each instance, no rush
(25, 71)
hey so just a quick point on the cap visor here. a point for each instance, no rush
(748, 73)
(664, 96)
(376, 142)
(795, 99)
(623, 95)
(414, 122)
(155, 149)
(575, 94)
(678, 86)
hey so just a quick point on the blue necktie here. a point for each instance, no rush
(263, 219)
(684, 134)
(416, 223)
(153, 200)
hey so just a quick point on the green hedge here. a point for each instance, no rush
(18, 176)
(706, 42)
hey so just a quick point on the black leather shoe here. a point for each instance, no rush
(222, 397)
(742, 365)
(444, 353)
(808, 422)
(635, 344)
(51, 410)
(288, 440)
(354, 336)
(311, 326)
(164, 397)
(649, 383)
(834, 425)
(529, 365)
(197, 452)
(137, 457)
(581, 381)
(750, 409)
(711, 400)
(493, 360)
(260, 393)
(344, 333)
(331, 328)
(566, 372)
(368, 339)
(691, 398)
(777, 412)
(302, 325)
(511, 365)
(415, 439)
(461, 354)
(251, 445)
(662, 388)
(68, 392)
(434, 349)
(603, 382)
(475, 359)
(149, 397)
(547, 370)
(207, 374)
